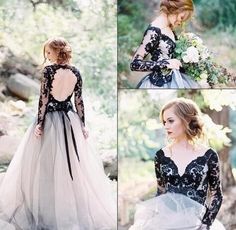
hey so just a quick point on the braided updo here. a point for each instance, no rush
(190, 115)
(176, 6)
(61, 47)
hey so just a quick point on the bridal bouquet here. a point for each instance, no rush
(197, 61)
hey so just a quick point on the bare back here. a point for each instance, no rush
(63, 84)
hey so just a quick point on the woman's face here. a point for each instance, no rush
(176, 20)
(173, 124)
(50, 54)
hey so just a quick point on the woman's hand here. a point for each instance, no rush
(38, 131)
(174, 64)
(85, 132)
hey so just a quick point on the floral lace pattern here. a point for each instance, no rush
(160, 47)
(201, 174)
(47, 103)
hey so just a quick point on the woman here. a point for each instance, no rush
(55, 181)
(185, 171)
(159, 41)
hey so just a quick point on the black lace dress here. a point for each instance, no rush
(181, 201)
(50, 182)
(161, 48)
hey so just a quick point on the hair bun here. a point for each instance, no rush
(176, 6)
(62, 48)
(195, 127)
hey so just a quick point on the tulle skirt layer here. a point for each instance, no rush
(47, 189)
(179, 81)
(170, 211)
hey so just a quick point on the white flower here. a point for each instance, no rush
(185, 59)
(190, 35)
(204, 76)
(205, 54)
(198, 40)
(191, 55)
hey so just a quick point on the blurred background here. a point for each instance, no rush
(90, 26)
(140, 135)
(214, 21)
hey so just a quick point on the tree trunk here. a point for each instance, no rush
(222, 118)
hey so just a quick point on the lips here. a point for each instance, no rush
(169, 132)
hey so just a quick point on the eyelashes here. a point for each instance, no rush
(170, 121)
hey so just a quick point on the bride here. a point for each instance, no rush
(159, 41)
(55, 181)
(186, 172)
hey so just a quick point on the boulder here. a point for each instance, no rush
(109, 159)
(10, 64)
(22, 87)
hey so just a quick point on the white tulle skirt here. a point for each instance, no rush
(39, 192)
(179, 81)
(170, 211)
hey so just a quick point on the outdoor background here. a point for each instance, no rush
(90, 26)
(141, 134)
(214, 21)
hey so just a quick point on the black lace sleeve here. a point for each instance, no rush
(79, 104)
(216, 196)
(160, 181)
(150, 41)
(43, 98)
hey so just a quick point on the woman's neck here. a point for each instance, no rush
(182, 143)
(164, 20)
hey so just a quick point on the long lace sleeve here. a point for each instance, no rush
(43, 98)
(160, 181)
(216, 196)
(79, 104)
(151, 40)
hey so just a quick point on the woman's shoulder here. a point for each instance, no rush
(207, 151)
(153, 27)
(161, 152)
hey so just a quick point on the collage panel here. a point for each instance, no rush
(177, 161)
(58, 96)
(176, 44)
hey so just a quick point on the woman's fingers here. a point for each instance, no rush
(37, 131)
(174, 64)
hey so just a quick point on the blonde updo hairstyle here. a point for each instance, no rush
(177, 6)
(190, 115)
(61, 47)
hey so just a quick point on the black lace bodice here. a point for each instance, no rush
(47, 103)
(160, 47)
(200, 175)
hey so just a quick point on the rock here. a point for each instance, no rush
(3, 132)
(2, 97)
(8, 145)
(11, 64)
(22, 86)
(109, 160)
(17, 108)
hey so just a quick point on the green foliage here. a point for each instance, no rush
(220, 13)
(136, 124)
(131, 24)
(197, 62)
